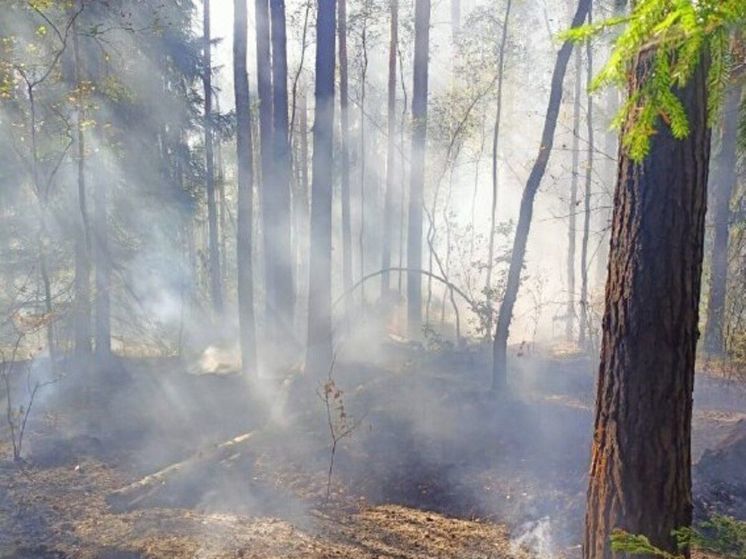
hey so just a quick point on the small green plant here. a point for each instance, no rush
(721, 534)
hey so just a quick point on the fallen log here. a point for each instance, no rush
(184, 483)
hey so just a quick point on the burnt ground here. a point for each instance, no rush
(435, 465)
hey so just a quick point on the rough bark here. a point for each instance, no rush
(388, 208)
(216, 288)
(319, 348)
(640, 478)
(724, 178)
(419, 137)
(505, 315)
(244, 157)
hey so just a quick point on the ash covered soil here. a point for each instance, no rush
(434, 465)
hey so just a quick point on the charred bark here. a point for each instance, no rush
(640, 475)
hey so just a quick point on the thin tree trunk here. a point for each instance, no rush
(363, 154)
(102, 261)
(83, 345)
(495, 145)
(388, 206)
(640, 475)
(301, 211)
(402, 172)
(572, 225)
(216, 289)
(244, 157)
(724, 175)
(584, 334)
(344, 115)
(281, 290)
(518, 255)
(319, 349)
(419, 138)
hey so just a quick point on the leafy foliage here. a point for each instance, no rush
(723, 535)
(679, 33)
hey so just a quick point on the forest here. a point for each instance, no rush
(372, 279)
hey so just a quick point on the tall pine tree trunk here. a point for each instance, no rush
(505, 315)
(279, 269)
(319, 347)
(244, 157)
(640, 476)
(419, 140)
(216, 289)
(344, 115)
(388, 206)
(724, 179)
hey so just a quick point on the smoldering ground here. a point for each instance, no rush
(221, 446)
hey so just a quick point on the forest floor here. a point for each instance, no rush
(434, 466)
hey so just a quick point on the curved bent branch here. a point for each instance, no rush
(372, 275)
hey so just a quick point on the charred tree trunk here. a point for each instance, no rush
(500, 346)
(279, 264)
(216, 289)
(640, 476)
(319, 349)
(244, 155)
(344, 115)
(419, 139)
(724, 178)
(388, 206)
(495, 145)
